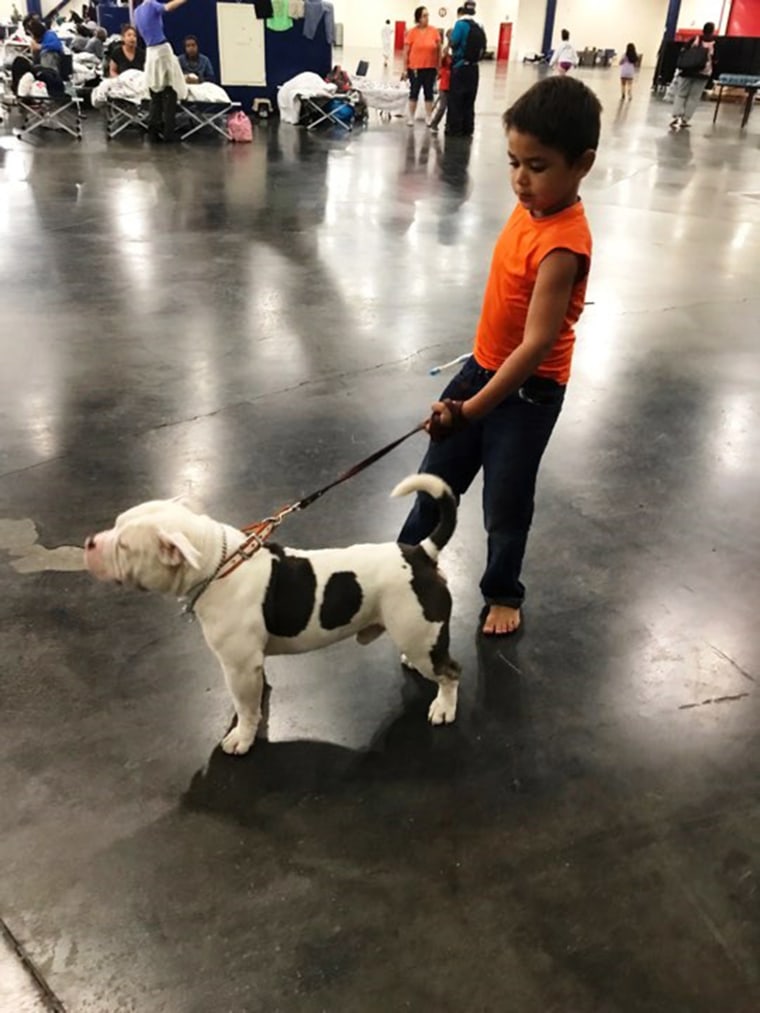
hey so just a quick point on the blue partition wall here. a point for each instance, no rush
(287, 53)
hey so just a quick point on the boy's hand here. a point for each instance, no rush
(447, 417)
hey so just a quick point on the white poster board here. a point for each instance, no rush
(241, 45)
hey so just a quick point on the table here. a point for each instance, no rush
(750, 83)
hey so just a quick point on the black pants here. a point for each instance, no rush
(163, 112)
(462, 94)
(508, 444)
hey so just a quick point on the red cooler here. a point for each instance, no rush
(399, 36)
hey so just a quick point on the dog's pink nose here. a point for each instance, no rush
(90, 542)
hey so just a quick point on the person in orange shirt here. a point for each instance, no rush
(422, 58)
(499, 411)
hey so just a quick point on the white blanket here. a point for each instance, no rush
(302, 84)
(132, 86)
(382, 94)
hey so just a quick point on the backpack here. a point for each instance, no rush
(239, 128)
(693, 60)
(475, 46)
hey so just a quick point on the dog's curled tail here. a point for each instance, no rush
(447, 506)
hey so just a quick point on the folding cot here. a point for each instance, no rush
(54, 112)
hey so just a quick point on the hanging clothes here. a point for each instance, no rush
(281, 21)
(296, 9)
(314, 11)
(263, 9)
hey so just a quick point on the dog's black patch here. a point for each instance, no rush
(439, 653)
(341, 601)
(428, 584)
(291, 594)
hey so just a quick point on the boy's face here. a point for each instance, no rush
(191, 50)
(541, 177)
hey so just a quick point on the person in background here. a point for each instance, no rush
(629, 61)
(565, 57)
(47, 53)
(468, 45)
(47, 48)
(96, 43)
(693, 80)
(162, 69)
(126, 55)
(444, 83)
(499, 412)
(195, 66)
(422, 58)
(387, 42)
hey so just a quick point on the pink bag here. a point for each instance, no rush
(239, 128)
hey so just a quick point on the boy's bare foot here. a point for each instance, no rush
(501, 619)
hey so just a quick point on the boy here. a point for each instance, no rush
(500, 410)
(444, 83)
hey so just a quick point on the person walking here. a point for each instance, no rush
(696, 64)
(468, 45)
(422, 58)
(162, 70)
(565, 56)
(629, 61)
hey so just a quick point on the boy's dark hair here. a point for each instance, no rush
(562, 113)
(190, 38)
(418, 14)
(565, 35)
(708, 28)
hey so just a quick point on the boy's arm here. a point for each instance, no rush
(173, 5)
(557, 274)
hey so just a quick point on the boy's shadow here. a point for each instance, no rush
(489, 750)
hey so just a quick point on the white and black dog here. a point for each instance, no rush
(285, 601)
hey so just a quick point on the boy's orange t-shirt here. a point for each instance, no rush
(423, 47)
(524, 242)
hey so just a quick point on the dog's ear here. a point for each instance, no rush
(176, 548)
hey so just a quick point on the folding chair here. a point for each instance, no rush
(207, 114)
(55, 112)
(321, 110)
(121, 114)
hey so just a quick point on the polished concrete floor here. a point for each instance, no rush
(243, 323)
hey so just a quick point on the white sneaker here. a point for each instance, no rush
(410, 122)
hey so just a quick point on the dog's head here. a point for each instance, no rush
(156, 546)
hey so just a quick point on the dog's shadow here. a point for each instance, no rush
(491, 740)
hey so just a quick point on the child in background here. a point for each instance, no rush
(499, 411)
(444, 83)
(565, 56)
(628, 64)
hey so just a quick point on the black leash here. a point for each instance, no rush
(378, 454)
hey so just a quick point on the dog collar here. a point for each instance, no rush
(195, 592)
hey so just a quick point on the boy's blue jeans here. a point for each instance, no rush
(508, 444)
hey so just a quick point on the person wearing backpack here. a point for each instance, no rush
(467, 45)
(696, 63)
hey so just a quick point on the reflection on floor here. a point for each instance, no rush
(245, 322)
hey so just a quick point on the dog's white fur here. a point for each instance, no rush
(165, 546)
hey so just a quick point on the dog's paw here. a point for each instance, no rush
(443, 710)
(236, 743)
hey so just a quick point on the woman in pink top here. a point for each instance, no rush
(422, 58)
